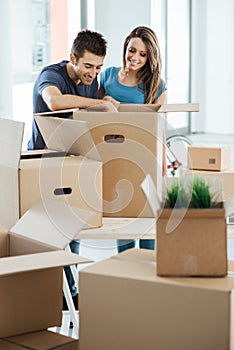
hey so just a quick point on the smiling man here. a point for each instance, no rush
(69, 84)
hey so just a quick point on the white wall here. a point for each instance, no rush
(116, 19)
(213, 72)
(6, 71)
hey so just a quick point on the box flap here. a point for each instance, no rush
(54, 223)
(11, 136)
(44, 340)
(39, 261)
(179, 107)
(66, 135)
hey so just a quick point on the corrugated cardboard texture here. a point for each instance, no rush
(30, 301)
(5, 345)
(124, 305)
(130, 145)
(44, 340)
(74, 180)
(209, 158)
(191, 242)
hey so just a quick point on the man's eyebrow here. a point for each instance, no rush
(90, 64)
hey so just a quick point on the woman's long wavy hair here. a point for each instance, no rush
(150, 73)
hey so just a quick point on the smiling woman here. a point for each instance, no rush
(139, 78)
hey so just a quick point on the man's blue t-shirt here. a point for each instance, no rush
(122, 93)
(56, 75)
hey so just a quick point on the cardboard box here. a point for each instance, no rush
(191, 242)
(124, 305)
(209, 158)
(130, 144)
(35, 175)
(226, 177)
(31, 266)
(44, 340)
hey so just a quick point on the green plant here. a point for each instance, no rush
(201, 197)
(177, 197)
(194, 193)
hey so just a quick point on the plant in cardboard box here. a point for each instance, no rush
(191, 228)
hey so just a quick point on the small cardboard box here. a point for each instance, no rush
(209, 158)
(125, 305)
(191, 242)
(226, 176)
(130, 143)
(26, 178)
(43, 340)
(31, 266)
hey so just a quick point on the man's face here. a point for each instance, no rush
(87, 67)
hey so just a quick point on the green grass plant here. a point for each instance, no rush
(201, 197)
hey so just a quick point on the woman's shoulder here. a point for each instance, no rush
(111, 70)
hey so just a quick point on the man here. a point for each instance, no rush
(70, 84)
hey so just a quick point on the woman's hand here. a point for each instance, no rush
(112, 100)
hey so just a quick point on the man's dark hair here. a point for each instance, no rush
(86, 40)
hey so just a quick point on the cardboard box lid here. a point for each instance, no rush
(73, 137)
(141, 266)
(43, 340)
(53, 223)
(11, 136)
(39, 261)
(130, 107)
(5, 345)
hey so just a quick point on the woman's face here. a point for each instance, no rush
(136, 54)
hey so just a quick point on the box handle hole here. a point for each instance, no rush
(114, 138)
(62, 191)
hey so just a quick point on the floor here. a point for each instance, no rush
(101, 249)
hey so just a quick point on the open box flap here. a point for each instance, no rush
(66, 135)
(179, 107)
(39, 261)
(11, 136)
(54, 223)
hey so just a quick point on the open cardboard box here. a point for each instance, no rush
(31, 266)
(124, 305)
(190, 241)
(42, 340)
(130, 141)
(68, 172)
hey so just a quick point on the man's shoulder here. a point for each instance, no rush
(55, 67)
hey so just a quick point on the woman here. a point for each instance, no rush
(138, 81)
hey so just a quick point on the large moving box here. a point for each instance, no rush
(125, 305)
(130, 143)
(31, 266)
(72, 178)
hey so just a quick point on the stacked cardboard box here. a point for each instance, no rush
(213, 162)
(32, 254)
(64, 174)
(130, 143)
